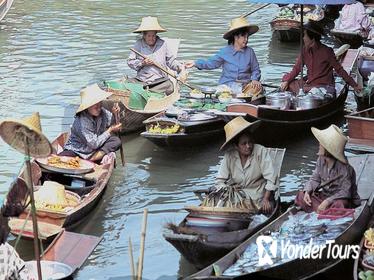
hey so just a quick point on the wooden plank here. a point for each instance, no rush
(364, 166)
(349, 60)
(71, 248)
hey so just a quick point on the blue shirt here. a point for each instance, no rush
(236, 65)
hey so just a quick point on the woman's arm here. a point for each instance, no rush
(223, 172)
(133, 61)
(255, 68)
(294, 72)
(213, 62)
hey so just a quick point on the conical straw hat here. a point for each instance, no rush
(91, 95)
(149, 24)
(238, 23)
(333, 140)
(235, 126)
(15, 131)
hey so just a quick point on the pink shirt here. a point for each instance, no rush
(354, 18)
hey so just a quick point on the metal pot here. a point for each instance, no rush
(281, 100)
(308, 101)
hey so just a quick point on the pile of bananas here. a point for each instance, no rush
(369, 236)
(45, 206)
(169, 129)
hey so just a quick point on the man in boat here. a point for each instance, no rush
(158, 51)
(93, 134)
(320, 61)
(354, 18)
(333, 183)
(248, 165)
(238, 61)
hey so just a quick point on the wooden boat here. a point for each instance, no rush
(287, 30)
(5, 7)
(299, 268)
(361, 130)
(354, 39)
(132, 120)
(202, 245)
(199, 128)
(51, 222)
(288, 118)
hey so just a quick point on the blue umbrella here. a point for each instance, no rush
(302, 3)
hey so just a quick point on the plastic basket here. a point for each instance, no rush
(336, 213)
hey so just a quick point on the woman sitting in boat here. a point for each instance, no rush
(247, 164)
(93, 131)
(157, 51)
(320, 61)
(333, 183)
(238, 61)
(354, 18)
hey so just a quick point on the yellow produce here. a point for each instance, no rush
(369, 235)
(169, 129)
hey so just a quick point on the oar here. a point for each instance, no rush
(117, 119)
(163, 69)
(247, 14)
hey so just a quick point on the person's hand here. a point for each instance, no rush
(283, 86)
(266, 205)
(307, 199)
(115, 128)
(189, 64)
(256, 84)
(323, 206)
(115, 108)
(147, 61)
(357, 89)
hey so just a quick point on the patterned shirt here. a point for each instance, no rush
(89, 133)
(10, 263)
(354, 18)
(257, 175)
(343, 188)
(159, 53)
(236, 65)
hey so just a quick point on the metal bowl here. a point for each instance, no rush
(208, 90)
(50, 270)
(281, 100)
(308, 101)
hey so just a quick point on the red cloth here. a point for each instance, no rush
(320, 61)
(317, 200)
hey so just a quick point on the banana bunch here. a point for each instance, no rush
(54, 207)
(170, 129)
(369, 235)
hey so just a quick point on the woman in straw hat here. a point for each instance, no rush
(238, 61)
(247, 164)
(320, 61)
(333, 183)
(93, 131)
(157, 51)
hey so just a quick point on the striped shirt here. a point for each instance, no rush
(10, 263)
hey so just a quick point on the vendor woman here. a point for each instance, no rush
(238, 61)
(320, 61)
(248, 165)
(333, 183)
(93, 134)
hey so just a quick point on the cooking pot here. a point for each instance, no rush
(281, 100)
(308, 101)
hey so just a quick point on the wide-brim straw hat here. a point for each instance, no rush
(149, 24)
(92, 95)
(15, 132)
(238, 23)
(314, 26)
(234, 127)
(333, 140)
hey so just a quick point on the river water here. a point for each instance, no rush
(49, 50)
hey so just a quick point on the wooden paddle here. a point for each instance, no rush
(324, 184)
(249, 13)
(117, 119)
(164, 70)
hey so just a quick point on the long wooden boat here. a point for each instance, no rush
(132, 120)
(354, 39)
(361, 130)
(51, 222)
(288, 118)
(5, 6)
(199, 128)
(287, 30)
(299, 268)
(202, 245)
